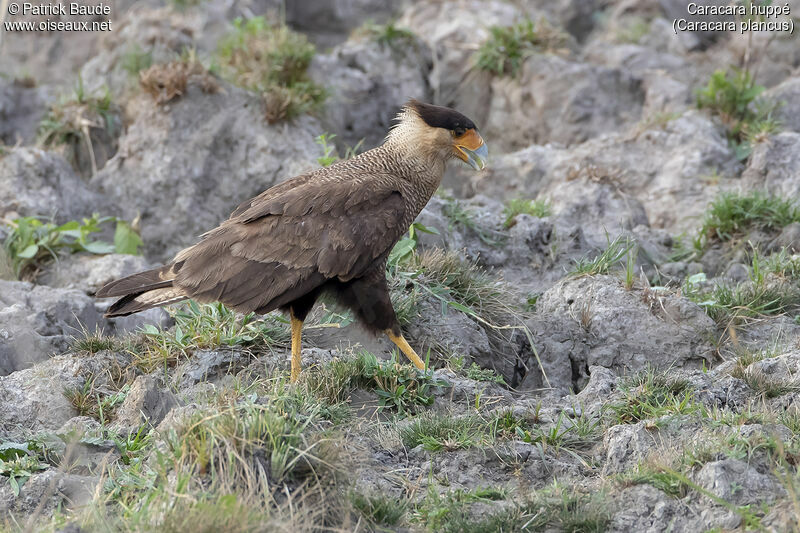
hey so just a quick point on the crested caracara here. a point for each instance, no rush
(330, 230)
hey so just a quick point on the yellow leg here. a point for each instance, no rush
(297, 337)
(406, 349)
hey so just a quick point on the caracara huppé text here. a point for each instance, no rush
(330, 230)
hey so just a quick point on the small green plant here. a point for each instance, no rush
(225, 441)
(650, 395)
(459, 215)
(185, 4)
(405, 248)
(18, 463)
(405, 388)
(664, 479)
(571, 435)
(135, 60)
(767, 293)
(445, 433)
(477, 373)
(632, 30)
(389, 34)
(380, 510)
(617, 250)
(85, 126)
(507, 47)
(30, 242)
(630, 267)
(93, 343)
(554, 508)
(732, 215)
(272, 60)
(329, 153)
(100, 405)
(732, 97)
(519, 206)
(334, 381)
(199, 326)
(448, 512)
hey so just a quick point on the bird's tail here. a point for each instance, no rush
(145, 290)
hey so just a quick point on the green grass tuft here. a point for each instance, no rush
(732, 215)
(380, 510)
(508, 47)
(732, 96)
(461, 216)
(650, 395)
(272, 60)
(521, 206)
(554, 508)
(615, 254)
(446, 433)
(202, 326)
(389, 34)
(134, 60)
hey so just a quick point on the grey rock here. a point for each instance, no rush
(788, 238)
(45, 492)
(38, 183)
(658, 167)
(453, 29)
(452, 333)
(146, 403)
(696, 39)
(612, 209)
(211, 365)
(162, 34)
(21, 109)
(363, 100)
(738, 482)
(77, 427)
(645, 508)
(88, 273)
(638, 60)
(38, 321)
(463, 390)
(663, 94)
(725, 392)
(774, 166)
(627, 445)
(33, 398)
(784, 369)
(738, 272)
(602, 382)
(556, 100)
(175, 419)
(595, 321)
(52, 56)
(329, 23)
(209, 150)
(787, 96)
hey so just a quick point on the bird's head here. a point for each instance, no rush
(440, 132)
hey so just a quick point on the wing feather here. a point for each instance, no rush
(292, 238)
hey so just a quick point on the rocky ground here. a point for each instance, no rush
(611, 310)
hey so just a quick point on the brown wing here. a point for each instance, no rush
(288, 241)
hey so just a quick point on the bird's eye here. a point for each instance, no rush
(458, 132)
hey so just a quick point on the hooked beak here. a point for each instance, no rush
(471, 149)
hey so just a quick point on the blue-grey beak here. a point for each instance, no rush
(476, 158)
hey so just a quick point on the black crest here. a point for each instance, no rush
(441, 117)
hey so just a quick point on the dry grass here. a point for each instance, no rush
(167, 81)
